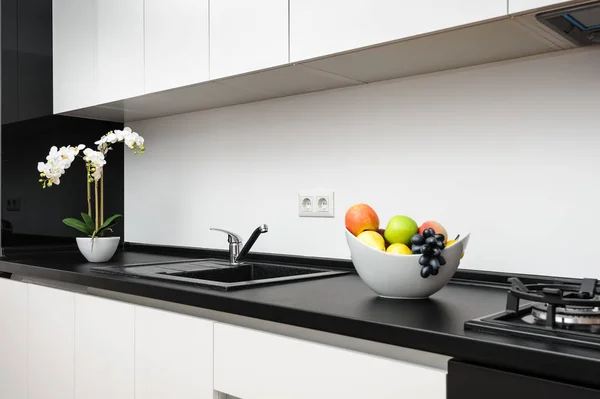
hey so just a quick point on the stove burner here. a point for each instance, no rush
(563, 312)
(568, 315)
(563, 303)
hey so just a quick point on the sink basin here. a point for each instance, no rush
(245, 273)
(217, 274)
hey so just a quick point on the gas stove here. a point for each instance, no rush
(563, 312)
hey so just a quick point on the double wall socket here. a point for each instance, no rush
(13, 204)
(316, 204)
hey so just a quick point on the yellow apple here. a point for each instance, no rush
(399, 249)
(372, 239)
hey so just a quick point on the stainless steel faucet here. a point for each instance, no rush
(236, 256)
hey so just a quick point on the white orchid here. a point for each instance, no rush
(95, 161)
(57, 162)
(60, 159)
(121, 134)
(50, 172)
(127, 136)
(96, 158)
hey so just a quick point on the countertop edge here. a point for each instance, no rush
(469, 349)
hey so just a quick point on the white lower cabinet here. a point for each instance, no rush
(50, 343)
(256, 365)
(173, 355)
(104, 348)
(13, 339)
(56, 344)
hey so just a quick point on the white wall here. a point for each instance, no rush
(507, 151)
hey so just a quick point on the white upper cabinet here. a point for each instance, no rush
(50, 343)
(318, 28)
(247, 35)
(120, 49)
(173, 355)
(13, 339)
(176, 43)
(524, 5)
(256, 365)
(74, 31)
(104, 348)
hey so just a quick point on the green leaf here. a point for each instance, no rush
(89, 222)
(111, 221)
(78, 225)
(101, 231)
(106, 226)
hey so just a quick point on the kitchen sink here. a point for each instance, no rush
(218, 274)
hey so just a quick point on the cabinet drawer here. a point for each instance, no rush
(256, 365)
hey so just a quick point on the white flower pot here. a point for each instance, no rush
(103, 249)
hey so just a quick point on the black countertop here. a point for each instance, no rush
(344, 305)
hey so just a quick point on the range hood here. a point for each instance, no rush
(579, 24)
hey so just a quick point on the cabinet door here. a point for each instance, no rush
(35, 59)
(104, 345)
(247, 36)
(299, 369)
(10, 60)
(13, 339)
(319, 28)
(173, 356)
(176, 43)
(74, 32)
(120, 49)
(523, 5)
(50, 343)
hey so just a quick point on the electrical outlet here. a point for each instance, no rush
(305, 205)
(13, 204)
(319, 203)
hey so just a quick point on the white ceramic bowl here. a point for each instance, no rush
(399, 276)
(102, 251)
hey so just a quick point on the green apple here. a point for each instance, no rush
(400, 229)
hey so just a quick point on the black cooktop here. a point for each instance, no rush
(563, 312)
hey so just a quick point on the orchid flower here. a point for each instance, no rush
(127, 136)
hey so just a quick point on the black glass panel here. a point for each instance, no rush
(32, 216)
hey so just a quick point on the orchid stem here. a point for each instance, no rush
(96, 202)
(102, 198)
(89, 192)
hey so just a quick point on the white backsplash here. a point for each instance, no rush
(508, 151)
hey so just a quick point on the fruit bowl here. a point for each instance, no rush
(398, 276)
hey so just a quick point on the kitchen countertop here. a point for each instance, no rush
(343, 305)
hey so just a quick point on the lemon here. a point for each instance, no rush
(399, 249)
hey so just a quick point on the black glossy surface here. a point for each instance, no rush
(346, 306)
(217, 274)
(38, 221)
(29, 129)
(246, 273)
(467, 381)
(26, 59)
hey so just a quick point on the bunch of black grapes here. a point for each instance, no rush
(430, 245)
